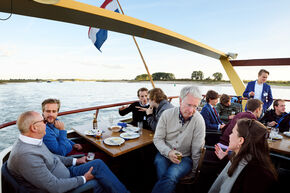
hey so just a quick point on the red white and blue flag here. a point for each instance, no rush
(99, 36)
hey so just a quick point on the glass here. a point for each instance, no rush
(43, 120)
(179, 156)
(233, 112)
(111, 120)
(274, 132)
(99, 134)
(140, 126)
(90, 156)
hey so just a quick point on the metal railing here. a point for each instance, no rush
(96, 108)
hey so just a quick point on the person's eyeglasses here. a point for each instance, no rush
(43, 120)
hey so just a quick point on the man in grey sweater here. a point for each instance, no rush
(36, 168)
(179, 137)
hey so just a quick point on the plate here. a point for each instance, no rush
(287, 133)
(129, 135)
(277, 136)
(114, 141)
(131, 129)
(90, 132)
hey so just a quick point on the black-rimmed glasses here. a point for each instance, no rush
(43, 120)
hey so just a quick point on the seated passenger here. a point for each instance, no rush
(209, 113)
(138, 109)
(56, 136)
(250, 169)
(255, 108)
(180, 132)
(277, 117)
(39, 170)
(158, 103)
(226, 109)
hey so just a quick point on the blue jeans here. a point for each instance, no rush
(169, 174)
(105, 180)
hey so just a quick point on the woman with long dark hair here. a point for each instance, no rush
(250, 169)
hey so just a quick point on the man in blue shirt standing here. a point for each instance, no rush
(258, 89)
(56, 136)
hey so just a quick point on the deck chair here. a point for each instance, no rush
(9, 184)
(187, 182)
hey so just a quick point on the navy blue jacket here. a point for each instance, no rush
(211, 120)
(266, 97)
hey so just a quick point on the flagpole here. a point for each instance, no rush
(149, 75)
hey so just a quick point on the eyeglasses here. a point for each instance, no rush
(43, 120)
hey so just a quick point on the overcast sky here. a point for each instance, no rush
(38, 48)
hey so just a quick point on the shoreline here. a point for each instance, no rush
(197, 82)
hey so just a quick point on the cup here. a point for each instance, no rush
(140, 126)
(179, 156)
(90, 156)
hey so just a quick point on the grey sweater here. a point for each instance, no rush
(187, 139)
(36, 167)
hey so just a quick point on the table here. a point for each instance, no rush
(145, 139)
(280, 146)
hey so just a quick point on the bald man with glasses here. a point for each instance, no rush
(39, 170)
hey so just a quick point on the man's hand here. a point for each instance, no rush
(272, 124)
(222, 126)
(59, 125)
(231, 116)
(89, 176)
(141, 109)
(173, 157)
(82, 160)
(78, 146)
(219, 152)
(149, 110)
(251, 94)
(123, 107)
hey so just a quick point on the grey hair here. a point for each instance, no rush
(25, 120)
(192, 90)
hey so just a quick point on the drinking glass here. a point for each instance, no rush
(140, 126)
(274, 132)
(90, 156)
(233, 112)
(111, 120)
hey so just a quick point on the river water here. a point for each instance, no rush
(16, 98)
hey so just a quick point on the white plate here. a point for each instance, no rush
(277, 136)
(129, 135)
(287, 133)
(131, 129)
(90, 132)
(114, 141)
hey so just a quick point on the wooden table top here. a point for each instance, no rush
(145, 139)
(280, 146)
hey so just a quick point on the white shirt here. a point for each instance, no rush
(258, 91)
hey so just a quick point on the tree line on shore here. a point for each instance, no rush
(195, 75)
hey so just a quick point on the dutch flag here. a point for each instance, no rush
(98, 36)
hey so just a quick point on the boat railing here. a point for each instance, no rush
(96, 108)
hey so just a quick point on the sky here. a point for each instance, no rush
(33, 48)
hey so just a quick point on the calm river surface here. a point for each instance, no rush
(16, 98)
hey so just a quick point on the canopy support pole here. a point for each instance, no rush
(141, 55)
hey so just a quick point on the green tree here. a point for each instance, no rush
(217, 76)
(142, 77)
(163, 76)
(197, 75)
